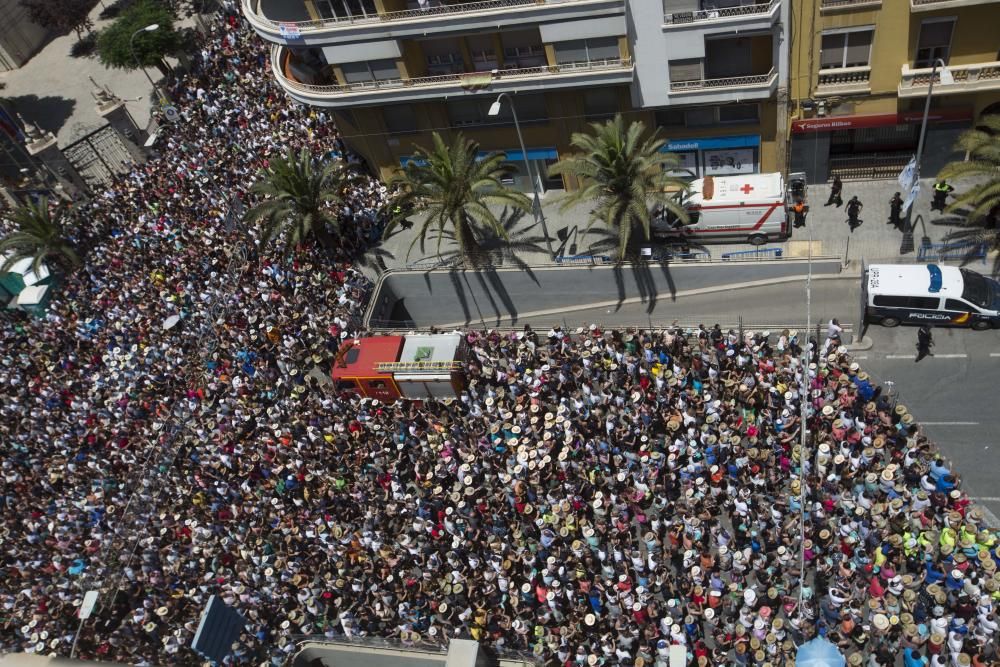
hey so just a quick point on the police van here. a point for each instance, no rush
(752, 208)
(930, 294)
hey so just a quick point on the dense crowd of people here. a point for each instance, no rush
(591, 498)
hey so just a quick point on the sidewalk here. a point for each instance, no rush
(53, 89)
(826, 231)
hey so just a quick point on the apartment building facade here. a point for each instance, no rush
(706, 72)
(860, 78)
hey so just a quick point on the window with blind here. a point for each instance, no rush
(600, 102)
(934, 42)
(587, 50)
(522, 48)
(846, 49)
(372, 70)
(685, 69)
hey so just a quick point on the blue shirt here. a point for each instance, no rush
(910, 659)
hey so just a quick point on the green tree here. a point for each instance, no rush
(298, 200)
(40, 236)
(454, 190)
(115, 43)
(63, 15)
(980, 201)
(624, 174)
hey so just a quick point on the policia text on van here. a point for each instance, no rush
(930, 294)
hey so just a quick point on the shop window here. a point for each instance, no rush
(846, 48)
(587, 50)
(934, 42)
(399, 118)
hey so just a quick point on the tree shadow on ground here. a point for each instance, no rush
(49, 113)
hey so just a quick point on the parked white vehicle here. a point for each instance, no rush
(752, 207)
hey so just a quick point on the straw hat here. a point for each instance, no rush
(881, 622)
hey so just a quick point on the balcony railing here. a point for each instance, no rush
(468, 81)
(850, 4)
(680, 18)
(844, 80)
(930, 5)
(752, 81)
(251, 9)
(968, 78)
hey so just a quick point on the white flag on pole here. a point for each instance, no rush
(906, 176)
(912, 197)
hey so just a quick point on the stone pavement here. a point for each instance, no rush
(826, 231)
(53, 89)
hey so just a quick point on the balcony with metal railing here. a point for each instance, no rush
(932, 5)
(848, 5)
(967, 79)
(844, 81)
(452, 16)
(764, 13)
(611, 71)
(745, 88)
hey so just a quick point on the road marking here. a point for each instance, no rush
(986, 499)
(923, 423)
(995, 354)
(861, 356)
(936, 356)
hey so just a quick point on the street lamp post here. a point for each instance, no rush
(131, 46)
(946, 79)
(537, 203)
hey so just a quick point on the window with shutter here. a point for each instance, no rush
(685, 69)
(846, 48)
(934, 42)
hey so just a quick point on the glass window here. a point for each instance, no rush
(587, 50)
(738, 113)
(977, 289)
(956, 305)
(573, 51)
(383, 70)
(846, 49)
(399, 118)
(887, 301)
(355, 72)
(465, 112)
(934, 42)
(924, 302)
(602, 48)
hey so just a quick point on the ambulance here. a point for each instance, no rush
(752, 208)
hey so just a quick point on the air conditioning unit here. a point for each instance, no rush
(821, 108)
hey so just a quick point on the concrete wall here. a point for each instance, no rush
(20, 38)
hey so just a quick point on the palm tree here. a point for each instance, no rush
(625, 175)
(299, 197)
(40, 236)
(455, 189)
(980, 203)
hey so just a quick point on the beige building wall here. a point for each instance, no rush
(20, 38)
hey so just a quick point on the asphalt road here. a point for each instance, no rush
(952, 395)
(513, 296)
